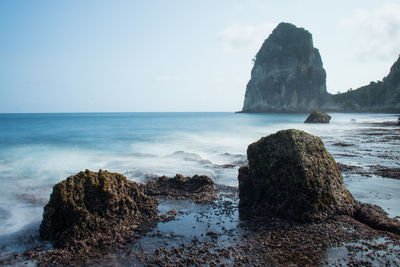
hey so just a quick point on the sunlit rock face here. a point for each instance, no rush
(288, 75)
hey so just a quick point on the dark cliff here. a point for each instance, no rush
(287, 75)
(381, 96)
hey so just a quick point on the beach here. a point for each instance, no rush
(39, 150)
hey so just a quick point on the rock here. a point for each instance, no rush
(198, 188)
(95, 210)
(291, 175)
(318, 117)
(288, 75)
(380, 96)
(375, 217)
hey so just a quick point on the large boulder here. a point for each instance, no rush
(95, 209)
(318, 117)
(292, 176)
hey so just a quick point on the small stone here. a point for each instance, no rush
(318, 117)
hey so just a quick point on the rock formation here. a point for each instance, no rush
(292, 176)
(381, 96)
(287, 75)
(95, 209)
(318, 117)
(198, 188)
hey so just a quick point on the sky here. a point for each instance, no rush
(169, 55)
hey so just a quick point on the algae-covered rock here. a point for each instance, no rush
(318, 117)
(95, 209)
(199, 188)
(291, 175)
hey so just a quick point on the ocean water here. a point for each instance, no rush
(39, 150)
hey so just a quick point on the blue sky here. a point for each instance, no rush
(96, 56)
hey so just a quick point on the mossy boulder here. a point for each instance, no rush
(95, 210)
(292, 176)
(318, 117)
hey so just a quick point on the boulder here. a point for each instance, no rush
(95, 210)
(197, 188)
(292, 176)
(318, 117)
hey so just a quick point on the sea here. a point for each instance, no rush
(39, 150)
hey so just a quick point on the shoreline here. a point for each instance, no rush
(219, 235)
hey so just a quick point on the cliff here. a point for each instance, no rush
(287, 75)
(381, 96)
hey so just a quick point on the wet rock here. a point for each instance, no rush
(95, 210)
(199, 188)
(386, 172)
(375, 217)
(292, 176)
(341, 144)
(318, 117)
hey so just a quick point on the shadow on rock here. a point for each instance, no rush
(292, 176)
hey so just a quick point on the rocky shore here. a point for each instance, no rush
(184, 230)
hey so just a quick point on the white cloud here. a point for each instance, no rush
(166, 78)
(240, 37)
(377, 30)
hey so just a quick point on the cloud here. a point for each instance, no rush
(166, 78)
(244, 37)
(377, 30)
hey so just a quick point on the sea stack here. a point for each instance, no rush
(288, 75)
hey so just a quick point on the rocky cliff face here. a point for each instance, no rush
(288, 75)
(381, 96)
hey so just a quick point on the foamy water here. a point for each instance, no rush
(39, 150)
